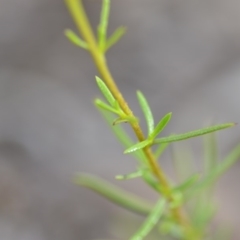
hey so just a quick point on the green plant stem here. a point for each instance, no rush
(83, 25)
(78, 13)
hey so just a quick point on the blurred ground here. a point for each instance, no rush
(184, 55)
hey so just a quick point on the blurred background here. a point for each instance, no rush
(185, 57)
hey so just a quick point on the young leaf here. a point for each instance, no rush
(139, 146)
(123, 117)
(161, 125)
(105, 91)
(72, 37)
(104, 106)
(151, 220)
(175, 138)
(129, 176)
(102, 28)
(114, 38)
(122, 136)
(146, 111)
(113, 193)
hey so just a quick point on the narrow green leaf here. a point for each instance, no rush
(188, 183)
(159, 151)
(75, 39)
(146, 111)
(115, 37)
(114, 194)
(161, 125)
(122, 136)
(102, 28)
(105, 91)
(129, 176)
(123, 117)
(151, 220)
(138, 146)
(105, 106)
(175, 138)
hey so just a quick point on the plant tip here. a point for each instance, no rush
(97, 78)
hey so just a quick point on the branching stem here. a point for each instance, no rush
(81, 20)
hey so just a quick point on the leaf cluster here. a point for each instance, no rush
(193, 188)
(104, 43)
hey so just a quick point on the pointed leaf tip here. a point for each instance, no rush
(103, 25)
(115, 37)
(105, 91)
(196, 133)
(161, 125)
(75, 39)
